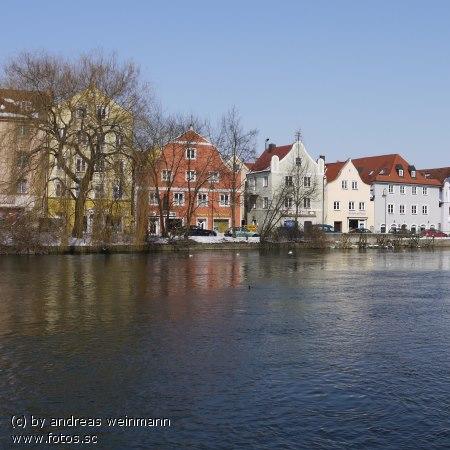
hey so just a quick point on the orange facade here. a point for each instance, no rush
(192, 185)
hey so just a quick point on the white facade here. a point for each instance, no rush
(445, 206)
(265, 185)
(411, 206)
(348, 203)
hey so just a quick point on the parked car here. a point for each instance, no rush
(360, 230)
(433, 233)
(325, 228)
(197, 231)
(241, 232)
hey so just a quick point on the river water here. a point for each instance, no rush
(335, 350)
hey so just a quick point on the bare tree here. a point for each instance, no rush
(237, 147)
(82, 118)
(291, 199)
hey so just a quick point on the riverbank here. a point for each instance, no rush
(328, 241)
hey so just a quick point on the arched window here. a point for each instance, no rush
(432, 227)
(404, 227)
(393, 228)
(422, 227)
(413, 229)
(383, 228)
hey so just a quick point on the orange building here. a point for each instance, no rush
(192, 185)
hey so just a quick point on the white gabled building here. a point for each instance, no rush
(442, 174)
(285, 168)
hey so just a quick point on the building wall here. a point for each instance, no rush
(431, 200)
(275, 180)
(445, 205)
(334, 191)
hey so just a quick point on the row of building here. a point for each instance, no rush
(191, 183)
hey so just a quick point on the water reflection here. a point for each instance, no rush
(313, 350)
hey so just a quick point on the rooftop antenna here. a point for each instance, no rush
(298, 135)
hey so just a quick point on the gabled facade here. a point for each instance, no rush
(348, 203)
(22, 174)
(403, 197)
(191, 186)
(442, 174)
(289, 171)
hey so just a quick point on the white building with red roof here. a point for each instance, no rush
(404, 199)
(289, 171)
(348, 202)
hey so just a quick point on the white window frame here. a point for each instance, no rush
(363, 204)
(414, 210)
(306, 181)
(214, 176)
(191, 175)
(344, 184)
(288, 202)
(391, 189)
(337, 205)
(265, 181)
(414, 190)
(189, 151)
(425, 210)
(224, 200)
(288, 181)
(306, 203)
(424, 190)
(401, 209)
(402, 190)
(390, 208)
(153, 198)
(203, 202)
(178, 198)
(265, 202)
(354, 185)
(166, 175)
(351, 205)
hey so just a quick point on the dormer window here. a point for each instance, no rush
(413, 173)
(400, 172)
(399, 169)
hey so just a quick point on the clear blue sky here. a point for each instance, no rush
(358, 77)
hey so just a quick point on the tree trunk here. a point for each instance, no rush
(78, 226)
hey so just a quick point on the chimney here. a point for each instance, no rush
(322, 157)
(271, 147)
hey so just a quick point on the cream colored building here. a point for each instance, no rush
(347, 199)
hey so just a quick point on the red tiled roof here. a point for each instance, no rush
(332, 170)
(440, 173)
(192, 136)
(249, 165)
(263, 162)
(383, 168)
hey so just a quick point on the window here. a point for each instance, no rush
(80, 165)
(202, 199)
(288, 202)
(351, 206)
(224, 200)
(307, 181)
(425, 190)
(337, 206)
(391, 189)
(166, 175)
(265, 202)
(425, 209)
(413, 229)
(413, 173)
(391, 209)
(58, 189)
(414, 190)
(362, 206)
(414, 209)
(153, 198)
(22, 187)
(306, 203)
(213, 177)
(22, 160)
(265, 181)
(383, 228)
(191, 153)
(178, 199)
(402, 189)
(102, 111)
(400, 172)
(344, 184)
(80, 112)
(298, 161)
(99, 166)
(191, 175)
(117, 191)
(354, 185)
(82, 138)
(402, 209)
(288, 181)
(119, 139)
